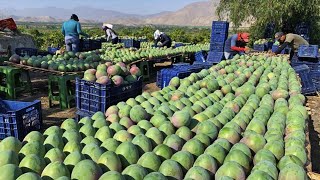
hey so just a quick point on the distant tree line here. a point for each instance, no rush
(46, 34)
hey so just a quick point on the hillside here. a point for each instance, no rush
(195, 14)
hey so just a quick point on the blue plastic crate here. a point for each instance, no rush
(218, 38)
(19, 118)
(95, 44)
(165, 75)
(286, 50)
(220, 27)
(81, 114)
(268, 45)
(308, 86)
(198, 56)
(92, 97)
(217, 47)
(126, 91)
(215, 57)
(84, 45)
(178, 45)
(128, 43)
(315, 76)
(302, 68)
(308, 51)
(259, 47)
(26, 51)
(53, 50)
(203, 65)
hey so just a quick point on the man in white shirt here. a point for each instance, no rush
(110, 33)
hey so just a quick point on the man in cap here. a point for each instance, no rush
(236, 44)
(163, 38)
(71, 30)
(110, 33)
(291, 40)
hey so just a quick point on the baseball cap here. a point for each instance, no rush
(278, 35)
(245, 37)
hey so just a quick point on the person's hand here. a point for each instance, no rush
(246, 49)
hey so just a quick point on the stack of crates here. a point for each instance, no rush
(219, 35)
(308, 57)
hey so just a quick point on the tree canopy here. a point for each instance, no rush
(285, 14)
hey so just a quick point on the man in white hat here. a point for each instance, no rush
(163, 38)
(110, 33)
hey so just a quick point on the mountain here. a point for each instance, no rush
(195, 14)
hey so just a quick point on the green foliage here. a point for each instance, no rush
(281, 12)
(46, 35)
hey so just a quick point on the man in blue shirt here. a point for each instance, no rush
(71, 31)
(236, 44)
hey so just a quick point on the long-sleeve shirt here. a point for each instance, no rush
(72, 28)
(111, 34)
(164, 39)
(233, 45)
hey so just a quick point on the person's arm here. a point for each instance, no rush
(62, 30)
(288, 40)
(80, 31)
(279, 50)
(234, 45)
(166, 39)
(108, 34)
(156, 42)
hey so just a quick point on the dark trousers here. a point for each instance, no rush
(115, 40)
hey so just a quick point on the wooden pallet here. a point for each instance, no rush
(41, 70)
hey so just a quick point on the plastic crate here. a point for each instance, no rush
(215, 57)
(81, 114)
(204, 65)
(95, 44)
(217, 47)
(165, 75)
(220, 27)
(128, 43)
(92, 97)
(26, 51)
(178, 45)
(19, 118)
(308, 86)
(84, 45)
(268, 45)
(126, 91)
(259, 47)
(286, 50)
(302, 69)
(315, 76)
(308, 51)
(198, 57)
(218, 38)
(53, 50)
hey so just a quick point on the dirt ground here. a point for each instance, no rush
(54, 115)
(314, 131)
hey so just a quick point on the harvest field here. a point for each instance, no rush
(174, 94)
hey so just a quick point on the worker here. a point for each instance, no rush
(163, 38)
(71, 31)
(291, 40)
(236, 44)
(110, 33)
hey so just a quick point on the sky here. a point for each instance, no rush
(126, 6)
